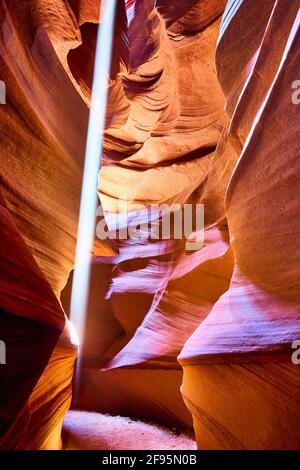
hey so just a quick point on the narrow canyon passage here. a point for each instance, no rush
(149, 225)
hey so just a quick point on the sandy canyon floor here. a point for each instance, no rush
(95, 431)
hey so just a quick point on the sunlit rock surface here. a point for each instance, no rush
(199, 112)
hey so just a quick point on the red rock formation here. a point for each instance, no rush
(243, 348)
(41, 148)
(230, 309)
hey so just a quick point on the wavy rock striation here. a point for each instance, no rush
(199, 112)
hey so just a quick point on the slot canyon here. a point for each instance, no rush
(192, 339)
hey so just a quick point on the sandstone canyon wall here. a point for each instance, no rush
(199, 112)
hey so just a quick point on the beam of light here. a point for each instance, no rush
(94, 147)
(73, 334)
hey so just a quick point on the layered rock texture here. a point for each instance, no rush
(200, 111)
(41, 148)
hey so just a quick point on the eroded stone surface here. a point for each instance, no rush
(229, 310)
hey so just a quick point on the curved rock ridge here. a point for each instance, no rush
(244, 346)
(41, 148)
(38, 367)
